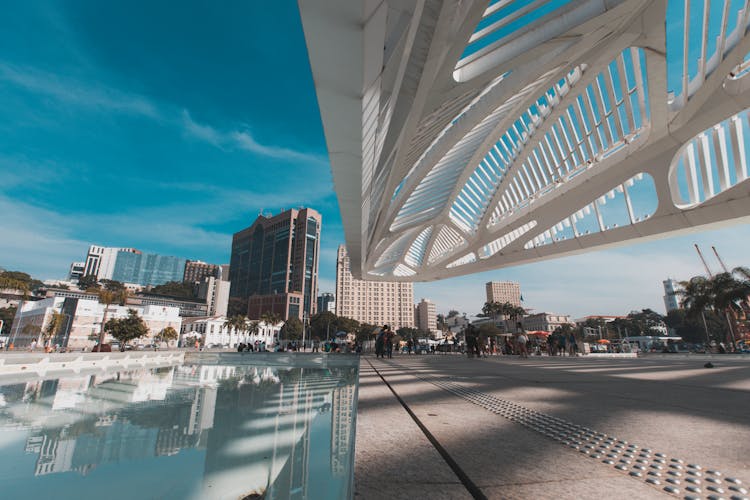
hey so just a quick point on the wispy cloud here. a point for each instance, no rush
(107, 98)
(77, 92)
(244, 140)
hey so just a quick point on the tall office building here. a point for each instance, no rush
(216, 294)
(374, 302)
(77, 270)
(129, 265)
(147, 268)
(326, 302)
(100, 261)
(426, 316)
(504, 291)
(196, 270)
(670, 295)
(274, 264)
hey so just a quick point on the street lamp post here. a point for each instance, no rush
(304, 325)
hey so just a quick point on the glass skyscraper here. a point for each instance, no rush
(148, 268)
(274, 264)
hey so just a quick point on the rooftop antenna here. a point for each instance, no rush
(723, 266)
(710, 274)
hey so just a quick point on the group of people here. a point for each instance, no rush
(384, 343)
(559, 343)
(251, 347)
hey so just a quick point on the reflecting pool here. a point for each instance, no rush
(226, 427)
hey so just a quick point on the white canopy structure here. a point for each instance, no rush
(472, 135)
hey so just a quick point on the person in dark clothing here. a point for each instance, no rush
(388, 341)
(380, 342)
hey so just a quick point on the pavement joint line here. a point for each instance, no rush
(609, 450)
(466, 481)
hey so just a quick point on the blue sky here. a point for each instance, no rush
(168, 129)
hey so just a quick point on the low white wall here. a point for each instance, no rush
(42, 364)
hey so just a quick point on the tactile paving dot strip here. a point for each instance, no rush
(672, 475)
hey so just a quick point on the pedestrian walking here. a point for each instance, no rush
(522, 341)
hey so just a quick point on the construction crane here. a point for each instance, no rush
(708, 271)
(723, 266)
(710, 275)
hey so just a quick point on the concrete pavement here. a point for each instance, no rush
(552, 428)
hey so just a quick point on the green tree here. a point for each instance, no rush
(88, 282)
(31, 330)
(253, 327)
(113, 286)
(166, 334)
(54, 327)
(722, 294)
(366, 331)
(176, 289)
(17, 275)
(6, 316)
(323, 324)
(25, 281)
(452, 313)
(271, 318)
(127, 329)
(691, 328)
(236, 323)
(292, 329)
(441, 322)
(407, 332)
(109, 297)
(493, 309)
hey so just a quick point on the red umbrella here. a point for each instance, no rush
(540, 333)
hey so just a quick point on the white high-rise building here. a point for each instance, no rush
(504, 291)
(76, 271)
(426, 316)
(100, 261)
(670, 295)
(216, 294)
(373, 302)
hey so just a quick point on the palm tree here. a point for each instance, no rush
(270, 318)
(109, 297)
(696, 298)
(730, 294)
(253, 328)
(56, 323)
(236, 323)
(723, 294)
(492, 309)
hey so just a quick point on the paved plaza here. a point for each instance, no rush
(444, 426)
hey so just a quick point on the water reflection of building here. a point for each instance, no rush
(261, 441)
(108, 418)
(255, 424)
(342, 437)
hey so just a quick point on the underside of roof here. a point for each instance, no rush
(473, 135)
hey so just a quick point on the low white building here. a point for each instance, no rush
(213, 332)
(546, 322)
(456, 324)
(83, 321)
